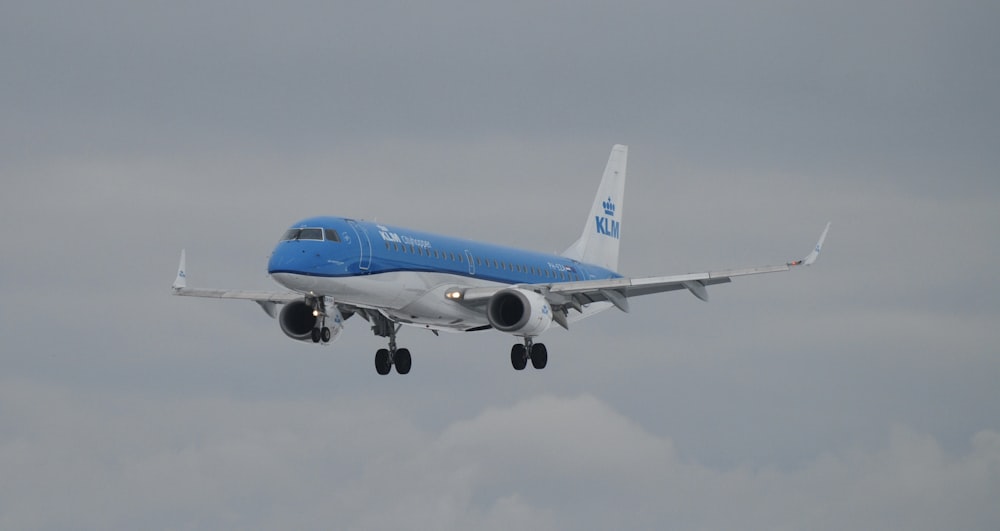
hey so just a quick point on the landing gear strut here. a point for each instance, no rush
(386, 358)
(536, 352)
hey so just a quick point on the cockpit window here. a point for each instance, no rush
(303, 234)
(311, 234)
(331, 235)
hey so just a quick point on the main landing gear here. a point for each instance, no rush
(386, 358)
(320, 332)
(536, 352)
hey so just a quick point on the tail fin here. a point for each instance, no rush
(599, 242)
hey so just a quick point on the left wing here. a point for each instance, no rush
(618, 290)
(563, 296)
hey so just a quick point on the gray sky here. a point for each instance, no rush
(860, 393)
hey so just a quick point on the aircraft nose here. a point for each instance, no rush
(280, 259)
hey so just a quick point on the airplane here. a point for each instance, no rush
(336, 267)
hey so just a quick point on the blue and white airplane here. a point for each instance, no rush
(392, 276)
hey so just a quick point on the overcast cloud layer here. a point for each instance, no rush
(860, 393)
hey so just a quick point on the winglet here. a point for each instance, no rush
(809, 260)
(181, 281)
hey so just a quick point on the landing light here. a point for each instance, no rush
(453, 295)
(315, 313)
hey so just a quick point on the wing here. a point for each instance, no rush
(268, 300)
(564, 296)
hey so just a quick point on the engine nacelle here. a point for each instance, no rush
(297, 320)
(519, 312)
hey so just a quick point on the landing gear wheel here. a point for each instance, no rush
(403, 361)
(325, 334)
(539, 356)
(382, 365)
(315, 335)
(519, 357)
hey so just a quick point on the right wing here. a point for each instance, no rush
(268, 300)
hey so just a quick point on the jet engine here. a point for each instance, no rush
(297, 320)
(519, 312)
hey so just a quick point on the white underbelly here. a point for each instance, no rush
(415, 298)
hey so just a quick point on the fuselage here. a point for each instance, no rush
(405, 272)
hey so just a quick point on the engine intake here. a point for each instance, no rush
(519, 312)
(297, 320)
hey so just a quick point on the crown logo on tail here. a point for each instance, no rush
(609, 207)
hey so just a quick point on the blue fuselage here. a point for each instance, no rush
(366, 248)
(405, 273)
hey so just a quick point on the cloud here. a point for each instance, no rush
(546, 462)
